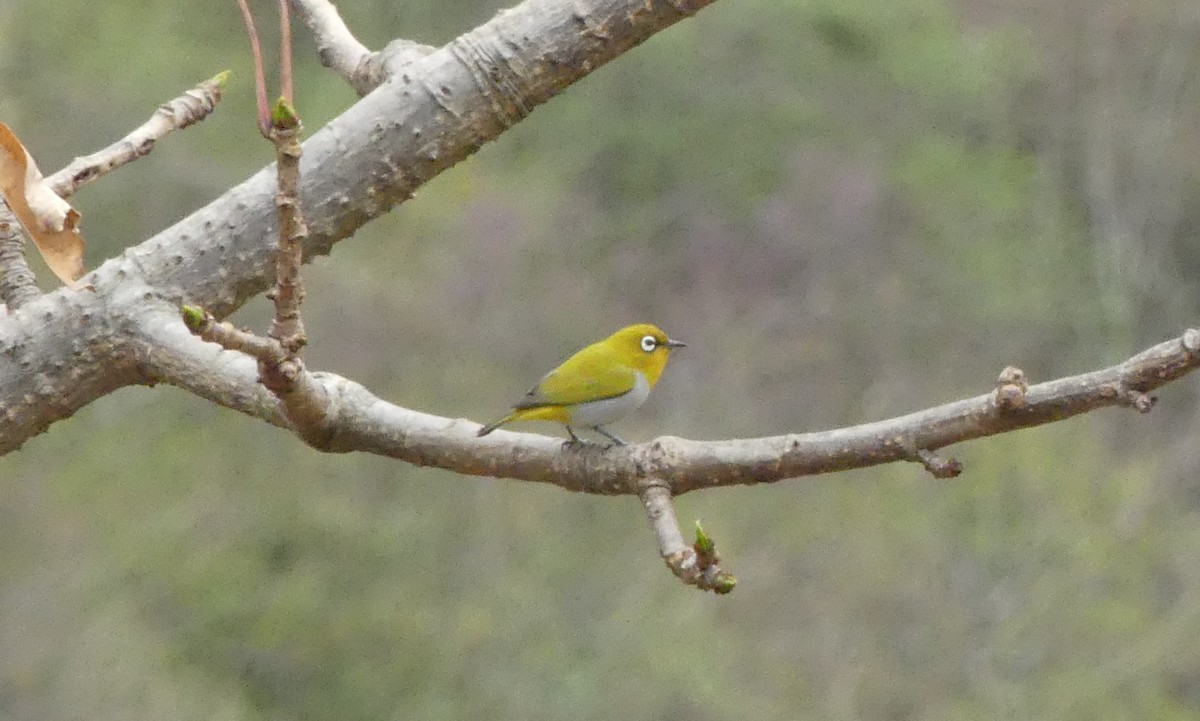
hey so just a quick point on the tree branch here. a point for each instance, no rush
(288, 293)
(358, 167)
(337, 47)
(168, 352)
(359, 421)
(697, 565)
(353, 174)
(17, 284)
(187, 109)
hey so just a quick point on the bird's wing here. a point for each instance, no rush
(589, 375)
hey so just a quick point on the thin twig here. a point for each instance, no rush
(696, 565)
(260, 79)
(193, 106)
(305, 402)
(280, 368)
(286, 128)
(285, 53)
(202, 324)
(288, 293)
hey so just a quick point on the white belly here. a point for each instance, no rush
(598, 413)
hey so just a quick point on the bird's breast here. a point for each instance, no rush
(598, 413)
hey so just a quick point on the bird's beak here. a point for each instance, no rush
(675, 344)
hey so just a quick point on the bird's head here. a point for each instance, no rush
(643, 347)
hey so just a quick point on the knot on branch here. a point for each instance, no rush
(937, 466)
(1135, 399)
(1191, 341)
(1011, 386)
(279, 375)
(662, 455)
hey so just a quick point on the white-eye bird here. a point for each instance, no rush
(599, 384)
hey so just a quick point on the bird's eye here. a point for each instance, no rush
(649, 343)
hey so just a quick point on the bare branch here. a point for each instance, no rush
(697, 565)
(337, 47)
(17, 284)
(938, 466)
(288, 293)
(170, 353)
(191, 107)
(260, 78)
(450, 103)
(57, 354)
(286, 90)
(203, 325)
(305, 403)
(362, 422)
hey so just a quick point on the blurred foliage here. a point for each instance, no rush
(849, 209)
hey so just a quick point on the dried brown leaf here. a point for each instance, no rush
(49, 220)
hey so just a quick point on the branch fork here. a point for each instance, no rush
(280, 367)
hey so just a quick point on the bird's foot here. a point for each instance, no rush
(574, 442)
(616, 440)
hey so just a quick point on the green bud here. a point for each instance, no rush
(724, 583)
(193, 317)
(283, 115)
(704, 544)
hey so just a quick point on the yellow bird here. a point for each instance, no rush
(599, 384)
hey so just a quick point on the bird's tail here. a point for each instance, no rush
(495, 424)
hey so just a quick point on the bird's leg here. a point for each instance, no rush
(575, 440)
(610, 436)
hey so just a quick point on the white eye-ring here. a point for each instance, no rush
(649, 343)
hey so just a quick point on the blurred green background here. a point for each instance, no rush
(849, 209)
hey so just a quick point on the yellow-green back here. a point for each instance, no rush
(604, 369)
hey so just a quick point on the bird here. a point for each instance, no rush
(599, 384)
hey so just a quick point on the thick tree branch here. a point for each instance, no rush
(377, 153)
(58, 353)
(358, 167)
